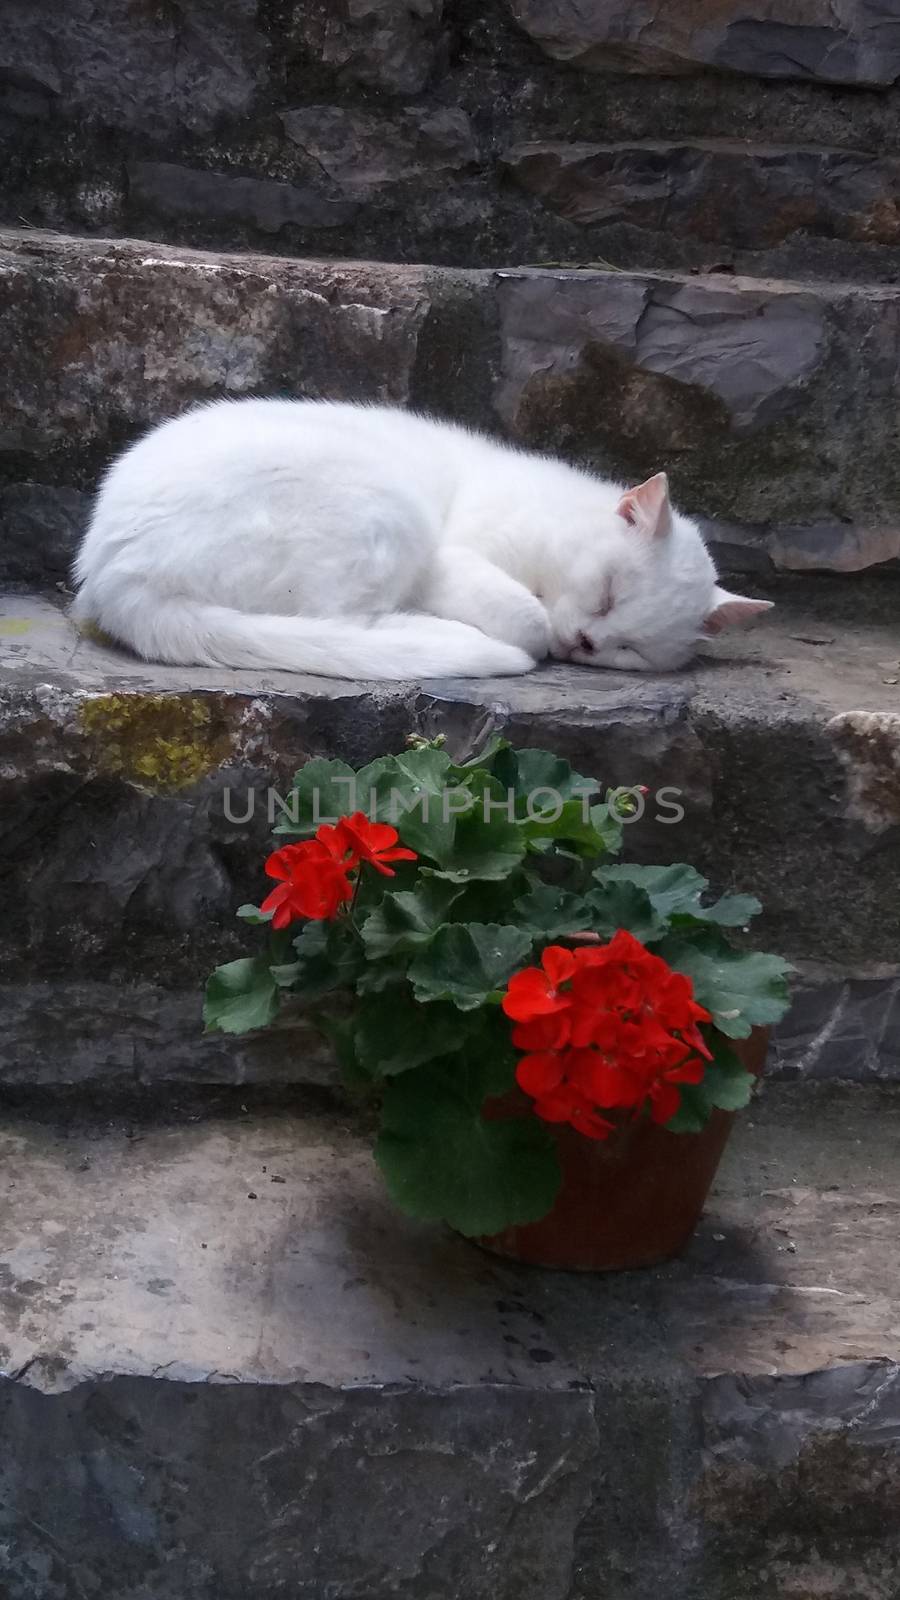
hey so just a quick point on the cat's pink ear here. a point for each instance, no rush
(730, 610)
(648, 507)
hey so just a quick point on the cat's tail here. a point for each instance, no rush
(402, 645)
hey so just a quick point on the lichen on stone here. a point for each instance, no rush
(91, 631)
(868, 743)
(159, 741)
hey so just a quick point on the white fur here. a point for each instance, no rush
(359, 541)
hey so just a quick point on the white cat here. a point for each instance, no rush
(365, 542)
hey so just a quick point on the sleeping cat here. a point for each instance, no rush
(365, 542)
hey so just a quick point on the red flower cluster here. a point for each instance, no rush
(605, 1026)
(314, 875)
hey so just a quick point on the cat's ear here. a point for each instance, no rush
(648, 507)
(731, 610)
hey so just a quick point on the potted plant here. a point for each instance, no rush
(556, 1041)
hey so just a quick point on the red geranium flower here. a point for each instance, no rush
(356, 839)
(312, 883)
(534, 993)
(665, 1097)
(567, 1104)
(606, 1027)
(548, 1032)
(541, 1073)
(585, 1119)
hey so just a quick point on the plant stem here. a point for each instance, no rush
(352, 906)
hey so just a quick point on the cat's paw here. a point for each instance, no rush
(528, 626)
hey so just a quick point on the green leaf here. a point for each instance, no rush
(321, 792)
(406, 790)
(379, 976)
(372, 886)
(726, 1083)
(548, 911)
(623, 905)
(491, 1060)
(423, 769)
(442, 1160)
(468, 962)
(409, 918)
(411, 793)
(693, 1112)
(490, 900)
(254, 916)
(328, 958)
(668, 889)
(529, 772)
(569, 827)
(394, 1035)
(240, 996)
(286, 974)
(740, 988)
(486, 845)
(339, 1031)
(731, 911)
(675, 893)
(486, 756)
(608, 827)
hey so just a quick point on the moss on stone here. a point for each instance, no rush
(160, 741)
(95, 635)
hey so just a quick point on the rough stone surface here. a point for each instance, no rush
(697, 371)
(268, 205)
(388, 44)
(144, 67)
(767, 403)
(721, 192)
(838, 547)
(135, 1036)
(214, 1335)
(843, 1025)
(851, 41)
(771, 551)
(41, 530)
(142, 1038)
(135, 804)
(169, 121)
(344, 159)
(364, 155)
(747, 353)
(822, 1446)
(125, 337)
(869, 744)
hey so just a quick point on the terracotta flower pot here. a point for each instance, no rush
(630, 1201)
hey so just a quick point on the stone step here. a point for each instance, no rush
(389, 130)
(135, 823)
(720, 196)
(232, 1370)
(767, 402)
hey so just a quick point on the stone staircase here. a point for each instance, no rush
(230, 1370)
(234, 1371)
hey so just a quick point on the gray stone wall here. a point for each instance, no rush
(122, 865)
(701, 136)
(768, 403)
(704, 142)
